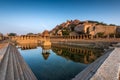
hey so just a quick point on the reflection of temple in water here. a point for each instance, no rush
(77, 54)
(27, 46)
(46, 51)
(46, 55)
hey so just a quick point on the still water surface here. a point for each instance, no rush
(58, 62)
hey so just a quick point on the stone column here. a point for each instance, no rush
(91, 37)
(108, 36)
(114, 36)
(83, 36)
(97, 36)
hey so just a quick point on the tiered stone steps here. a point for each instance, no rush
(13, 66)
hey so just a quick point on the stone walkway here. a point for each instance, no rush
(110, 69)
(92, 68)
(12, 65)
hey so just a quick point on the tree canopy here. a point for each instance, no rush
(12, 34)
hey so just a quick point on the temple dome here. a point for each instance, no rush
(46, 33)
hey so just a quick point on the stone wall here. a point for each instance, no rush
(28, 39)
(104, 29)
(93, 29)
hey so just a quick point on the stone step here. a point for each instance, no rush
(15, 66)
(27, 72)
(10, 70)
(18, 65)
(3, 65)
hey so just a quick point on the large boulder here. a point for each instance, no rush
(73, 34)
(79, 28)
(118, 29)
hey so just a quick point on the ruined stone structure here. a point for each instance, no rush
(83, 36)
(26, 39)
(59, 33)
(31, 38)
(46, 38)
(94, 28)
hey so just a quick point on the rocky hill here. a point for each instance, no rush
(76, 27)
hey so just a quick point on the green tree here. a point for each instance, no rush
(111, 34)
(29, 33)
(65, 31)
(112, 25)
(117, 35)
(12, 34)
(100, 34)
(72, 26)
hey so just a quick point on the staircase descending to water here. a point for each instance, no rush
(12, 65)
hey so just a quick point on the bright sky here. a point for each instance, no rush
(20, 16)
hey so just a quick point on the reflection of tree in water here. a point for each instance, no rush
(77, 54)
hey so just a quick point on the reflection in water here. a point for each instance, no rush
(27, 46)
(46, 51)
(77, 54)
(46, 55)
(57, 62)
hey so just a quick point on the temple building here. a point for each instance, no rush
(46, 33)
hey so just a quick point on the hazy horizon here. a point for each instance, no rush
(33, 16)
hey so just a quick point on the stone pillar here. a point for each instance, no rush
(114, 36)
(108, 36)
(87, 36)
(91, 37)
(83, 36)
(80, 37)
(22, 37)
(75, 37)
(71, 37)
(97, 36)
